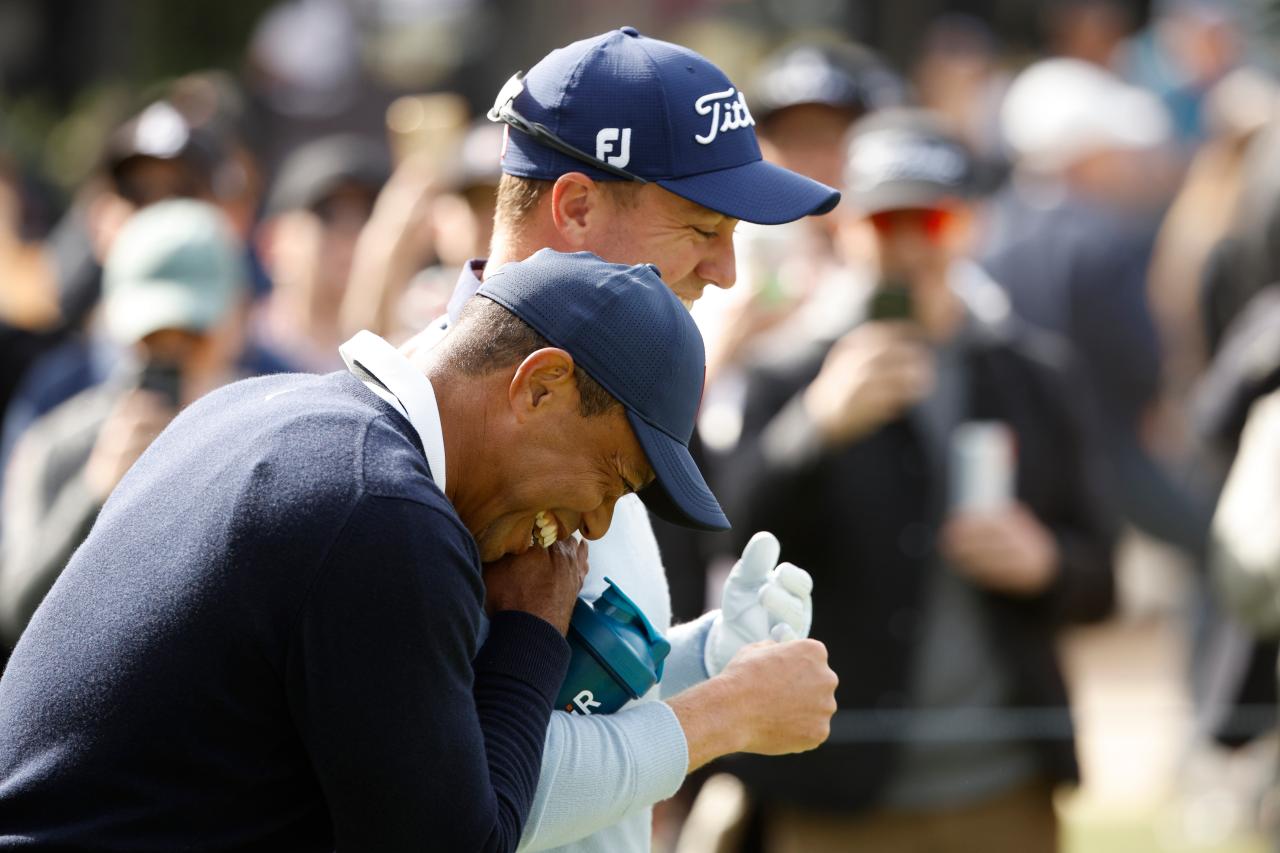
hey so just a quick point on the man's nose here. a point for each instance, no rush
(595, 523)
(719, 267)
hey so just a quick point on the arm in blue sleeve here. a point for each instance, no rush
(414, 745)
(598, 770)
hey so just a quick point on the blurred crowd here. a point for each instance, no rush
(1043, 317)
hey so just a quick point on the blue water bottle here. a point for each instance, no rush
(616, 654)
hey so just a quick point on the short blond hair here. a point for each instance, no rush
(518, 198)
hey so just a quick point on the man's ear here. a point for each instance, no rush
(577, 209)
(543, 382)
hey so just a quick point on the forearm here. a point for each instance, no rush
(708, 715)
(513, 711)
(599, 770)
(406, 713)
(382, 268)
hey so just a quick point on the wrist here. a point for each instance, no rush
(711, 716)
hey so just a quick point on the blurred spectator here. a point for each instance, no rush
(28, 306)
(1245, 555)
(459, 227)
(318, 205)
(1070, 240)
(26, 298)
(943, 583)
(187, 145)
(959, 78)
(1203, 215)
(1232, 670)
(1188, 47)
(804, 99)
(1247, 258)
(1246, 538)
(1089, 30)
(175, 300)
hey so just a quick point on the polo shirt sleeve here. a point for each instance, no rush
(414, 746)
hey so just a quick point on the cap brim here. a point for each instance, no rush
(162, 305)
(759, 192)
(679, 494)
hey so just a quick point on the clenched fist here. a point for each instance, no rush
(789, 695)
(544, 582)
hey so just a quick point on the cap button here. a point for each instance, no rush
(630, 31)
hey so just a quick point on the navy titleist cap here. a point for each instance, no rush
(621, 106)
(630, 333)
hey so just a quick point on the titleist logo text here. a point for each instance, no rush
(726, 111)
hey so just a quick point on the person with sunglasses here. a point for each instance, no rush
(927, 465)
(642, 151)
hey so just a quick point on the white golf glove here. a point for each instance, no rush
(761, 601)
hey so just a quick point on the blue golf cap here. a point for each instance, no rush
(630, 334)
(621, 106)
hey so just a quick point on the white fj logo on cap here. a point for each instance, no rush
(735, 112)
(605, 140)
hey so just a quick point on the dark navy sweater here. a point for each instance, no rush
(270, 642)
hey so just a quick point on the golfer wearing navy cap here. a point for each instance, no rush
(272, 638)
(642, 151)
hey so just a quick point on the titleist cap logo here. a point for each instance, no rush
(727, 113)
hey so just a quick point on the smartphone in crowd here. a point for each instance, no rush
(891, 300)
(163, 377)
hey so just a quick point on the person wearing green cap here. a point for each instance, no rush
(174, 299)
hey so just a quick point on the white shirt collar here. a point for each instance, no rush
(403, 386)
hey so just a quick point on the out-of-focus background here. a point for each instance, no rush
(1125, 196)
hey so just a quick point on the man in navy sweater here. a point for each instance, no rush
(274, 636)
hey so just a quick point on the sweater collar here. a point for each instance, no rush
(390, 375)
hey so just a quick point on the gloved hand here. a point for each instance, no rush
(761, 601)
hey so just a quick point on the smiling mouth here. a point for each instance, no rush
(545, 530)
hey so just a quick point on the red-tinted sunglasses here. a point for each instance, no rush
(933, 222)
